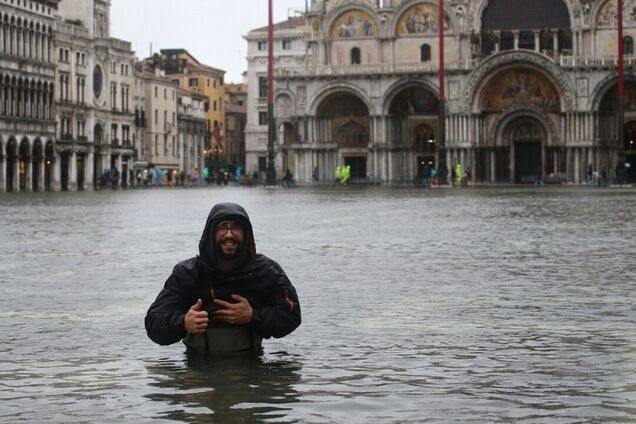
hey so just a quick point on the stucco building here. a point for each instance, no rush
(198, 78)
(94, 96)
(27, 86)
(531, 88)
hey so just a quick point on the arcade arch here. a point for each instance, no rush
(344, 126)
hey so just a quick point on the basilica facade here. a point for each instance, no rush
(530, 89)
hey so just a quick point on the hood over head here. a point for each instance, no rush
(221, 212)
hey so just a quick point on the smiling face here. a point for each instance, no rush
(228, 239)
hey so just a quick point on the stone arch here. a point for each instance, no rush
(482, 4)
(338, 22)
(38, 150)
(394, 90)
(98, 134)
(536, 61)
(339, 87)
(25, 149)
(603, 87)
(523, 111)
(423, 6)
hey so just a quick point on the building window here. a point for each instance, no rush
(262, 45)
(262, 87)
(156, 92)
(287, 44)
(425, 53)
(355, 56)
(214, 106)
(262, 118)
(193, 82)
(628, 45)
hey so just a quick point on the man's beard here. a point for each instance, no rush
(229, 256)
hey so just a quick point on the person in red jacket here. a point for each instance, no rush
(228, 298)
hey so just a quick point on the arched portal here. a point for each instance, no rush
(23, 164)
(525, 137)
(343, 120)
(287, 136)
(98, 134)
(12, 158)
(622, 163)
(38, 160)
(413, 122)
(49, 161)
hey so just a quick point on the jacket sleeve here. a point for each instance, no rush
(281, 315)
(164, 320)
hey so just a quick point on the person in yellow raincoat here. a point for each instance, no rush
(458, 175)
(338, 175)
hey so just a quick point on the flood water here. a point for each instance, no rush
(466, 306)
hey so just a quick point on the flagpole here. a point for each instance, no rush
(621, 78)
(271, 125)
(442, 170)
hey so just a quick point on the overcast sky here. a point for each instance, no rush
(211, 30)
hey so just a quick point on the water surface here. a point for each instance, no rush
(466, 305)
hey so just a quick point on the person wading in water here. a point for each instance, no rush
(228, 298)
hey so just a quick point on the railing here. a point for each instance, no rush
(585, 61)
(380, 68)
(71, 29)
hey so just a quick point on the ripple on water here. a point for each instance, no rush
(506, 305)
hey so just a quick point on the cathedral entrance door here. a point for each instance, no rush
(527, 161)
(358, 166)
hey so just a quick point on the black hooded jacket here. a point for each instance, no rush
(259, 279)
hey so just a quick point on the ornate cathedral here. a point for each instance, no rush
(531, 88)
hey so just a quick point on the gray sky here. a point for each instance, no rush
(211, 30)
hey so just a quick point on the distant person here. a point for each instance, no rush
(228, 298)
(539, 179)
(315, 177)
(458, 174)
(288, 179)
(590, 175)
(603, 180)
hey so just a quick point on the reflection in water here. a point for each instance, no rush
(224, 388)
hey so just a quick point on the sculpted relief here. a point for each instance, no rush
(519, 87)
(354, 24)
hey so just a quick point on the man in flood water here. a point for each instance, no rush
(228, 298)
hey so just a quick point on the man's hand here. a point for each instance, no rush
(234, 313)
(196, 320)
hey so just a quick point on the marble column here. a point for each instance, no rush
(3, 171)
(16, 175)
(41, 170)
(28, 180)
